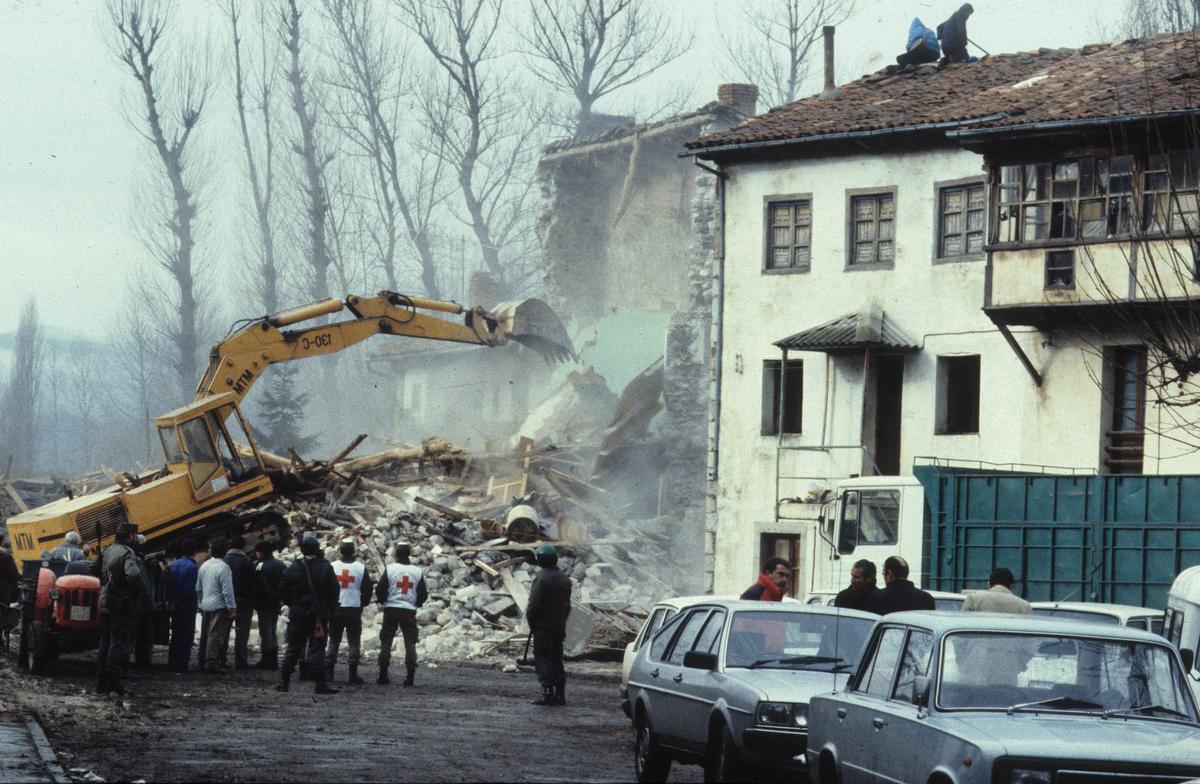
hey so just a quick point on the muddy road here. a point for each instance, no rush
(457, 724)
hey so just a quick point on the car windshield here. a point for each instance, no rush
(947, 603)
(1078, 615)
(1027, 672)
(795, 640)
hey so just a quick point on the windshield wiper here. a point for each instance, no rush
(1141, 708)
(837, 660)
(1058, 702)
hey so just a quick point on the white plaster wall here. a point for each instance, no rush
(939, 306)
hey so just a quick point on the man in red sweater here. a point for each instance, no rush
(772, 582)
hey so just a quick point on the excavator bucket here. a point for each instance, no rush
(531, 322)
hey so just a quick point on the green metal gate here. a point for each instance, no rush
(1119, 539)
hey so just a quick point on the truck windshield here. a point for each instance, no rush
(202, 458)
(795, 640)
(1027, 672)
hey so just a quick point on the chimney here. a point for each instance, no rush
(742, 98)
(830, 84)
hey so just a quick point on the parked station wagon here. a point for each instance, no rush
(978, 697)
(1095, 612)
(726, 684)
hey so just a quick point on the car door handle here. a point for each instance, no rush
(841, 713)
(678, 678)
(654, 673)
(878, 723)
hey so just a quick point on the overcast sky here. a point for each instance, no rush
(71, 165)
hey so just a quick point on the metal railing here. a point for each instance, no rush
(827, 479)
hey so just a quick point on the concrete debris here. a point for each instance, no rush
(436, 498)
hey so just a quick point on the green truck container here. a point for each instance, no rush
(1120, 539)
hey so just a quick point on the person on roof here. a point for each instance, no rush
(921, 46)
(953, 35)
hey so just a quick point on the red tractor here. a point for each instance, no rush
(60, 612)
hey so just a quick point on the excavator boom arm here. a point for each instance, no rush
(236, 362)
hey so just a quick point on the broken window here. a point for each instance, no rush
(872, 229)
(789, 241)
(1060, 269)
(957, 409)
(792, 392)
(960, 221)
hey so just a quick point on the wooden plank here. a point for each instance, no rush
(16, 497)
(453, 514)
(508, 548)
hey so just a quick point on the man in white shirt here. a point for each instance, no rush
(354, 593)
(401, 590)
(218, 605)
(998, 597)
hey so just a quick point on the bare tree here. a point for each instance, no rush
(314, 159)
(260, 157)
(23, 392)
(482, 126)
(774, 50)
(136, 348)
(140, 28)
(408, 182)
(1148, 17)
(592, 48)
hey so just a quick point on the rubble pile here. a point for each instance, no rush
(473, 522)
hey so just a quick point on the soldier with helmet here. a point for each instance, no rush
(401, 590)
(354, 584)
(310, 591)
(122, 588)
(549, 606)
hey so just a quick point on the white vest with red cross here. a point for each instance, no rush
(350, 580)
(402, 582)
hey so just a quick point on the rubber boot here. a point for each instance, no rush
(560, 697)
(328, 674)
(324, 688)
(547, 698)
(409, 678)
(354, 680)
(102, 682)
(383, 679)
(118, 688)
(273, 664)
(285, 681)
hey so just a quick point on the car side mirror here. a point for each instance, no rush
(700, 660)
(1189, 658)
(920, 691)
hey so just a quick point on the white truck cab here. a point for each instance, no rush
(871, 517)
(1181, 623)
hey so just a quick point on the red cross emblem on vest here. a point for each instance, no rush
(405, 584)
(345, 579)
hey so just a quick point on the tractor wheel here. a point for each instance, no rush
(23, 649)
(41, 649)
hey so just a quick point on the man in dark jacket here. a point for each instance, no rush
(122, 587)
(310, 591)
(861, 592)
(953, 34)
(549, 606)
(179, 587)
(70, 549)
(899, 593)
(267, 573)
(10, 582)
(243, 591)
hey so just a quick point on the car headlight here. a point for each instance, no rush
(776, 713)
(1031, 777)
(54, 594)
(800, 716)
(782, 714)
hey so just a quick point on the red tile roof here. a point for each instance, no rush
(1139, 76)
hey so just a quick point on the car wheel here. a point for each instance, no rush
(828, 772)
(650, 762)
(722, 763)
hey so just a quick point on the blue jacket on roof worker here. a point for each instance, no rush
(920, 47)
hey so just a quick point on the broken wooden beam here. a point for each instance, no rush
(453, 514)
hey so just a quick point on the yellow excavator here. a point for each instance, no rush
(206, 479)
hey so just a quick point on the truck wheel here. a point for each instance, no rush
(41, 654)
(722, 763)
(828, 770)
(650, 762)
(23, 649)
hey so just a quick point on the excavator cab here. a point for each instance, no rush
(202, 440)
